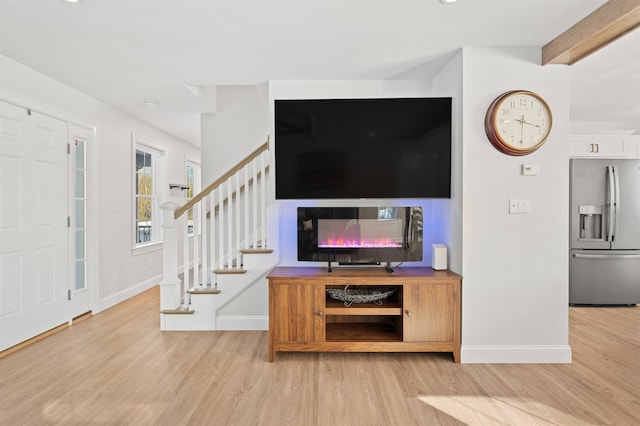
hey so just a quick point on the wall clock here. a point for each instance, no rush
(518, 122)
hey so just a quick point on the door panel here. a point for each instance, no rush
(33, 224)
(589, 191)
(296, 307)
(428, 313)
(604, 277)
(45, 269)
(10, 184)
(9, 274)
(627, 234)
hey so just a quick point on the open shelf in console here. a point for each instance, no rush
(391, 305)
(379, 321)
(364, 329)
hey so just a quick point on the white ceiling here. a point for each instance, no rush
(125, 52)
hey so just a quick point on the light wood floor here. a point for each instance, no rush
(118, 368)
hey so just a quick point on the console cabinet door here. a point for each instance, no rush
(428, 313)
(299, 313)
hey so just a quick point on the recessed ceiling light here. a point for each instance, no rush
(151, 102)
(72, 1)
(448, 1)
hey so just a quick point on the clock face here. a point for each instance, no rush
(518, 122)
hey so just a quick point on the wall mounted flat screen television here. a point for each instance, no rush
(363, 148)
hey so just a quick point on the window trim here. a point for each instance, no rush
(197, 185)
(158, 154)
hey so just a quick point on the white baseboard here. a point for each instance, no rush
(520, 354)
(242, 323)
(127, 293)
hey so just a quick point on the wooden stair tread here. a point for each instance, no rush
(229, 271)
(177, 311)
(203, 290)
(256, 251)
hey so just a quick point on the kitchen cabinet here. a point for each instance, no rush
(604, 146)
(420, 314)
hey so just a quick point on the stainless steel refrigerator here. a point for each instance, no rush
(604, 263)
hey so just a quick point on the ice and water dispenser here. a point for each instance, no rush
(590, 222)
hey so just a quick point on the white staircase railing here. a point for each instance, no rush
(227, 218)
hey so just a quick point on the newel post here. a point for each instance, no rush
(170, 284)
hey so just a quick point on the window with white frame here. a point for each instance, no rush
(147, 210)
(193, 181)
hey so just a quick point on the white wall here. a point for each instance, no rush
(515, 267)
(239, 126)
(120, 272)
(448, 223)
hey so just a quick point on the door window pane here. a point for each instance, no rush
(79, 244)
(79, 184)
(80, 211)
(80, 281)
(80, 153)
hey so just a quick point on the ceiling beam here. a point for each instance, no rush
(610, 21)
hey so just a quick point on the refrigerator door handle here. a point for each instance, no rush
(610, 203)
(616, 201)
(606, 256)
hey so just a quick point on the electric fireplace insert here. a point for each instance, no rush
(360, 235)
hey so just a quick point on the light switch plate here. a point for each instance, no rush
(530, 169)
(519, 205)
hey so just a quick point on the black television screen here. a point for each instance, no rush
(363, 148)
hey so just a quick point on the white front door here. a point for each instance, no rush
(33, 224)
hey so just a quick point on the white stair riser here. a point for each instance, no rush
(243, 323)
(259, 261)
(198, 321)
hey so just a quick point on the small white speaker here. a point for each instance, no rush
(439, 257)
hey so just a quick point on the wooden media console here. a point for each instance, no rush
(422, 313)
